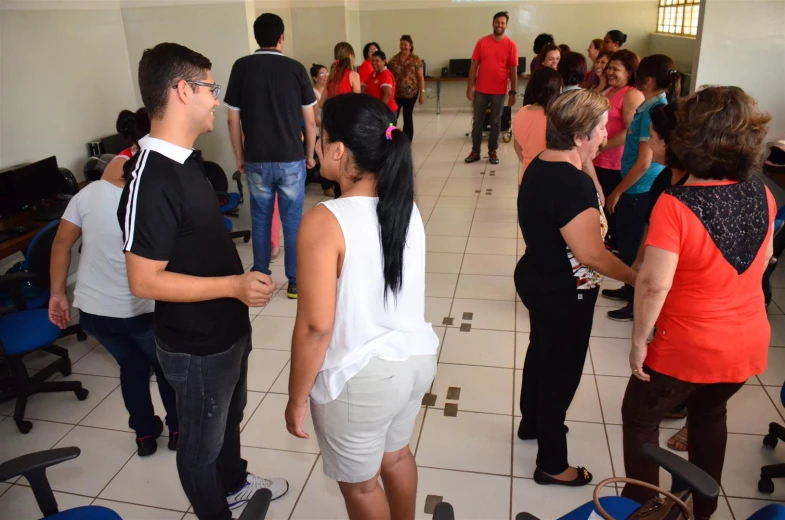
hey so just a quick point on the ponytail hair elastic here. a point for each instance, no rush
(389, 131)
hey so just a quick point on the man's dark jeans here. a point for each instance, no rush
(481, 102)
(631, 221)
(211, 395)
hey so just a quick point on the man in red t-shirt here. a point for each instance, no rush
(495, 70)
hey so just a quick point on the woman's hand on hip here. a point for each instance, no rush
(637, 359)
(295, 414)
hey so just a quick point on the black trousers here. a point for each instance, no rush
(406, 106)
(561, 323)
(608, 180)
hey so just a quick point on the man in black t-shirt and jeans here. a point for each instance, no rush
(179, 254)
(270, 100)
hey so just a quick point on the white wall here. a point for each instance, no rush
(742, 43)
(217, 31)
(681, 49)
(64, 77)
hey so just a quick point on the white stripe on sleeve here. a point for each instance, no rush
(133, 192)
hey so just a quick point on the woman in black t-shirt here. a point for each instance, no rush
(559, 276)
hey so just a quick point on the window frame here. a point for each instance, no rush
(678, 17)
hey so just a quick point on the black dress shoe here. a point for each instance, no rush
(623, 314)
(148, 444)
(619, 294)
(583, 478)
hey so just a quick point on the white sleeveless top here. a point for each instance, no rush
(364, 328)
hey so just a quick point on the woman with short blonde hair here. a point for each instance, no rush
(559, 276)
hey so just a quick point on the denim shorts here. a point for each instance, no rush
(374, 414)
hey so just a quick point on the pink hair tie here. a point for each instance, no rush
(337, 62)
(389, 131)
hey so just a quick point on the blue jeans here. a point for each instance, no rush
(265, 180)
(132, 343)
(631, 221)
(211, 396)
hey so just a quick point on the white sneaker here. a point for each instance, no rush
(277, 486)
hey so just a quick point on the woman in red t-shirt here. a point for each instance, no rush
(366, 69)
(342, 79)
(381, 84)
(708, 244)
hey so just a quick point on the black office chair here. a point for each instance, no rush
(230, 202)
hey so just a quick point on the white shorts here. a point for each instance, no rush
(374, 415)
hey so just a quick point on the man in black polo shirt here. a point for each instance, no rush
(270, 100)
(179, 254)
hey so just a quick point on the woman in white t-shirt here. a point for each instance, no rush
(362, 352)
(121, 322)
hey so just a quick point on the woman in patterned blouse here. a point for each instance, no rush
(409, 80)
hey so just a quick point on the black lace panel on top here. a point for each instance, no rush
(736, 216)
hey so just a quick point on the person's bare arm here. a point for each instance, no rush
(236, 137)
(386, 94)
(513, 84)
(636, 172)
(654, 283)
(310, 136)
(114, 170)
(518, 150)
(421, 82)
(632, 100)
(316, 120)
(149, 279)
(472, 79)
(584, 238)
(588, 168)
(59, 264)
(354, 81)
(319, 247)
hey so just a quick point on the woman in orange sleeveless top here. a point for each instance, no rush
(708, 244)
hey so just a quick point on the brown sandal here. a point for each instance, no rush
(678, 442)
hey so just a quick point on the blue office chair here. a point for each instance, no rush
(779, 246)
(687, 479)
(35, 290)
(767, 473)
(21, 333)
(33, 467)
(230, 202)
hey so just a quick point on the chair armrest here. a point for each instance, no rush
(36, 461)
(33, 467)
(685, 474)
(237, 177)
(12, 282)
(258, 506)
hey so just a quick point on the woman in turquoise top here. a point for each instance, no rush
(660, 83)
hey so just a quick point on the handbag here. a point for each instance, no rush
(669, 506)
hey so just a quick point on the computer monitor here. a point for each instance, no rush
(460, 67)
(522, 65)
(114, 144)
(36, 181)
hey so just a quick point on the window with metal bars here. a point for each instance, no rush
(679, 17)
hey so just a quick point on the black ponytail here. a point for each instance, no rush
(661, 69)
(362, 124)
(133, 125)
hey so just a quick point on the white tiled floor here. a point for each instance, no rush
(474, 460)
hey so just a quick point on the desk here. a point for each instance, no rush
(19, 243)
(440, 80)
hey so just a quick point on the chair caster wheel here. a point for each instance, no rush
(507, 138)
(246, 239)
(770, 441)
(24, 426)
(81, 394)
(765, 485)
(66, 370)
(81, 336)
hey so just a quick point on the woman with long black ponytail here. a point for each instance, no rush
(362, 352)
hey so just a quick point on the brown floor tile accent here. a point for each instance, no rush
(476, 191)
(429, 400)
(447, 321)
(466, 327)
(453, 393)
(468, 316)
(451, 410)
(431, 501)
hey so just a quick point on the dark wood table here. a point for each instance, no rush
(439, 80)
(20, 242)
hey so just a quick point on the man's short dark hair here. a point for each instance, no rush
(161, 68)
(267, 29)
(505, 14)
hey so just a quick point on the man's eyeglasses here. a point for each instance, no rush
(215, 89)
